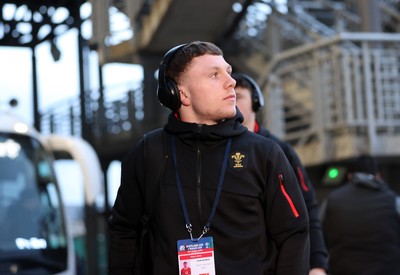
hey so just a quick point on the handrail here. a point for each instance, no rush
(342, 36)
(116, 114)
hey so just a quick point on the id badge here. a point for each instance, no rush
(196, 257)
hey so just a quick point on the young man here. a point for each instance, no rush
(186, 269)
(249, 100)
(225, 195)
(361, 222)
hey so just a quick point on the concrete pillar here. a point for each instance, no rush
(370, 14)
(273, 36)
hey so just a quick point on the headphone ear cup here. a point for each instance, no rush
(256, 104)
(174, 97)
(167, 91)
(168, 94)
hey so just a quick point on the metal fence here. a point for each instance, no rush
(115, 114)
(337, 97)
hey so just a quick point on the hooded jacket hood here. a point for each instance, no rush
(368, 181)
(230, 127)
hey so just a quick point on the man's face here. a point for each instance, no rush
(244, 103)
(207, 89)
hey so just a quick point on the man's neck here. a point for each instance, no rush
(251, 124)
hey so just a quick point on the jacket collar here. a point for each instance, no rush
(368, 181)
(230, 127)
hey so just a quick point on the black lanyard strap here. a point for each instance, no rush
(217, 194)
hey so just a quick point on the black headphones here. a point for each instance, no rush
(167, 91)
(257, 98)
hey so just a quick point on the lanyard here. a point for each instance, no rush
(217, 195)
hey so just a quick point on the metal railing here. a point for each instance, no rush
(344, 89)
(115, 115)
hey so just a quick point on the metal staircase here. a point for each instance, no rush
(345, 97)
(332, 91)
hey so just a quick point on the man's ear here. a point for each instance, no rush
(185, 99)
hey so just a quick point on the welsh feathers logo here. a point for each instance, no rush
(238, 161)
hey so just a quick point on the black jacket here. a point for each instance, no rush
(318, 250)
(362, 228)
(260, 203)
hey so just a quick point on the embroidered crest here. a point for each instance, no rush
(238, 161)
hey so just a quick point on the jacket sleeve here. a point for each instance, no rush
(124, 222)
(318, 250)
(287, 216)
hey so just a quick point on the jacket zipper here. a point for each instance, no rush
(302, 182)
(198, 160)
(288, 198)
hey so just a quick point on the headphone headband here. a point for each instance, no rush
(167, 91)
(257, 98)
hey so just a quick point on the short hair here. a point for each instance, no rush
(182, 58)
(364, 164)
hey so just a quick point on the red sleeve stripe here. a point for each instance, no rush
(302, 182)
(294, 210)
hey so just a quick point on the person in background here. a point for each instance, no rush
(24, 218)
(249, 101)
(361, 223)
(221, 181)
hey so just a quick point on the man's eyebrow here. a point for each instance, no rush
(228, 67)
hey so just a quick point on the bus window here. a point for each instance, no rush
(33, 227)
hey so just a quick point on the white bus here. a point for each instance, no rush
(34, 234)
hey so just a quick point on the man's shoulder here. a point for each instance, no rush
(346, 188)
(154, 136)
(282, 143)
(264, 146)
(255, 138)
(154, 132)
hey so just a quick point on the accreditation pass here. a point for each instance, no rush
(196, 257)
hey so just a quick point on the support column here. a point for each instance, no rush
(272, 34)
(155, 115)
(370, 14)
(35, 96)
(83, 95)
